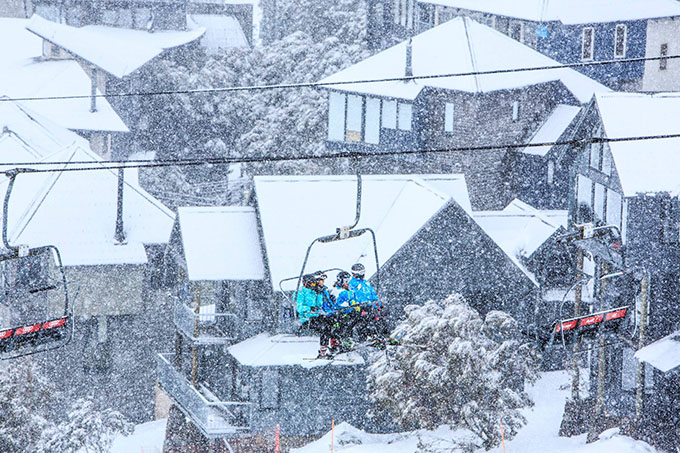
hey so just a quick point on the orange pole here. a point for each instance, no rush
(502, 437)
(332, 433)
(276, 440)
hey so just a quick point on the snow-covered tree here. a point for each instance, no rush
(455, 368)
(25, 400)
(87, 429)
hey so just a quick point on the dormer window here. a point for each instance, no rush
(405, 116)
(515, 111)
(587, 43)
(448, 117)
(620, 41)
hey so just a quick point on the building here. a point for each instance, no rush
(566, 30)
(632, 185)
(26, 74)
(492, 111)
(428, 245)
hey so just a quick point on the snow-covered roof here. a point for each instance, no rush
(570, 11)
(285, 350)
(221, 32)
(663, 354)
(76, 211)
(26, 136)
(295, 210)
(553, 127)
(23, 74)
(519, 229)
(221, 243)
(650, 165)
(118, 51)
(469, 47)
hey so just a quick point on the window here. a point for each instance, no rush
(515, 111)
(670, 233)
(587, 43)
(663, 63)
(405, 117)
(397, 11)
(515, 31)
(409, 13)
(389, 114)
(606, 160)
(620, 41)
(355, 118)
(613, 208)
(624, 221)
(599, 201)
(448, 117)
(551, 171)
(583, 199)
(336, 116)
(596, 150)
(372, 125)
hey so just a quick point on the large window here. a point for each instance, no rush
(614, 208)
(372, 124)
(587, 43)
(336, 116)
(448, 117)
(620, 41)
(596, 150)
(515, 111)
(584, 196)
(389, 114)
(405, 116)
(355, 105)
(599, 201)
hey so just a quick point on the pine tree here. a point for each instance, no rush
(87, 429)
(455, 368)
(25, 400)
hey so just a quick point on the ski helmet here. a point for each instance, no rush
(343, 277)
(359, 270)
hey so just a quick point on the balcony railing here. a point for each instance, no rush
(215, 419)
(206, 327)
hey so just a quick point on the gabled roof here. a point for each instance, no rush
(24, 75)
(460, 46)
(76, 211)
(552, 129)
(569, 11)
(519, 229)
(118, 51)
(646, 166)
(221, 32)
(295, 210)
(26, 136)
(221, 243)
(663, 354)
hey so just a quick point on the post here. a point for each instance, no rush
(644, 303)
(332, 433)
(601, 355)
(578, 294)
(93, 90)
(194, 347)
(120, 230)
(276, 441)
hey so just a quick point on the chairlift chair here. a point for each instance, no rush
(37, 314)
(341, 234)
(608, 322)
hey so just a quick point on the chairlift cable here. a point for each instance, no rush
(117, 165)
(295, 85)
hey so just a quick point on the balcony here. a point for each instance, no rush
(214, 418)
(207, 326)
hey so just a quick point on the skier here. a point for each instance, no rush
(370, 323)
(309, 302)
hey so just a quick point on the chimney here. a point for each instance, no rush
(120, 232)
(408, 71)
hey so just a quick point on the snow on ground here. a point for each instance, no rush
(147, 438)
(538, 436)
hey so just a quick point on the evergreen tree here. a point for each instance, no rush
(455, 368)
(25, 401)
(87, 429)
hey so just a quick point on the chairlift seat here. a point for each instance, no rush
(589, 326)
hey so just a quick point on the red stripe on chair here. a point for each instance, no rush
(54, 323)
(6, 333)
(27, 329)
(616, 314)
(567, 325)
(590, 320)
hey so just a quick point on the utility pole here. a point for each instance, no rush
(578, 294)
(601, 354)
(644, 304)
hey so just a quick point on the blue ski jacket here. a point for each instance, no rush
(363, 290)
(308, 303)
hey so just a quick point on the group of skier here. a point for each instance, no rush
(348, 312)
